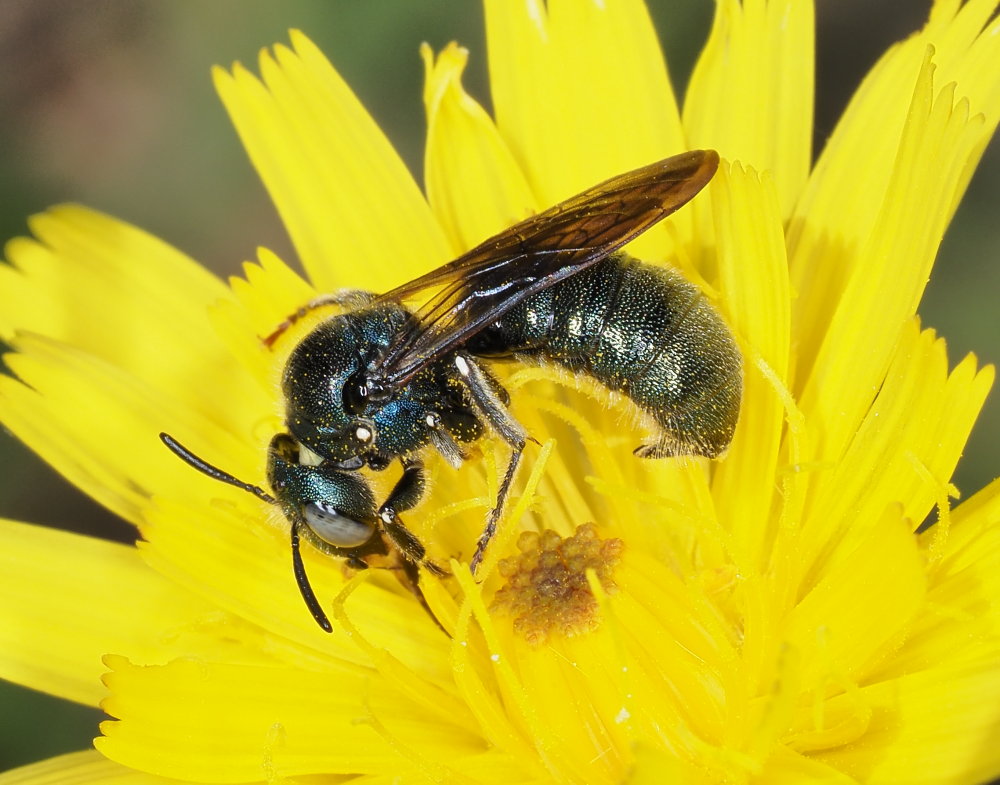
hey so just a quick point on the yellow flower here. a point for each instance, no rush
(779, 615)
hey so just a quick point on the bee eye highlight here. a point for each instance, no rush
(335, 528)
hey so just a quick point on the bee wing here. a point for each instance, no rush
(480, 286)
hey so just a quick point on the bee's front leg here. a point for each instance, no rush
(407, 491)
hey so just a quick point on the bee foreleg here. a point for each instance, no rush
(409, 576)
(407, 491)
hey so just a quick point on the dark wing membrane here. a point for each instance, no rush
(480, 286)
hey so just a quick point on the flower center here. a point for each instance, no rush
(546, 589)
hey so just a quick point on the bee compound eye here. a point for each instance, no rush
(335, 528)
(354, 396)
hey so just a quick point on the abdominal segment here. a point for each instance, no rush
(641, 330)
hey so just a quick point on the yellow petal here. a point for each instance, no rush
(653, 766)
(473, 183)
(974, 520)
(754, 278)
(836, 641)
(235, 552)
(257, 722)
(930, 727)
(751, 92)
(891, 267)
(964, 39)
(263, 302)
(125, 297)
(81, 768)
(786, 767)
(905, 449)
(69, 599)
(99, 426)
(354, 213)
(865, 169)
(568, 79)
(964, 582)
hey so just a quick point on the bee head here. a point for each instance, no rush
(337, 506)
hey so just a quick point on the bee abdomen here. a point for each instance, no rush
(646, 332)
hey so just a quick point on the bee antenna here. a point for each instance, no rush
(298, 567)
(215, 473)
(303, 583)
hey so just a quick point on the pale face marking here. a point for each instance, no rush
(307, 457)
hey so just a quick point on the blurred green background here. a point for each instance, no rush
(109, 103)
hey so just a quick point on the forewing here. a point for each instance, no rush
(480, 286)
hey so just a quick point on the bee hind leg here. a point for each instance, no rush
(660, 449)
(490, 399)
(674, 447)
(404, 495)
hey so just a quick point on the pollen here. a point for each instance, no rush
(546, 589)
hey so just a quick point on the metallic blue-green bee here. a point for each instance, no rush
(380, 382)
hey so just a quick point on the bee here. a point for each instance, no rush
(334, 508)
(381, 382)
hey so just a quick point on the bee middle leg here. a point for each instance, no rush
(407, 491)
